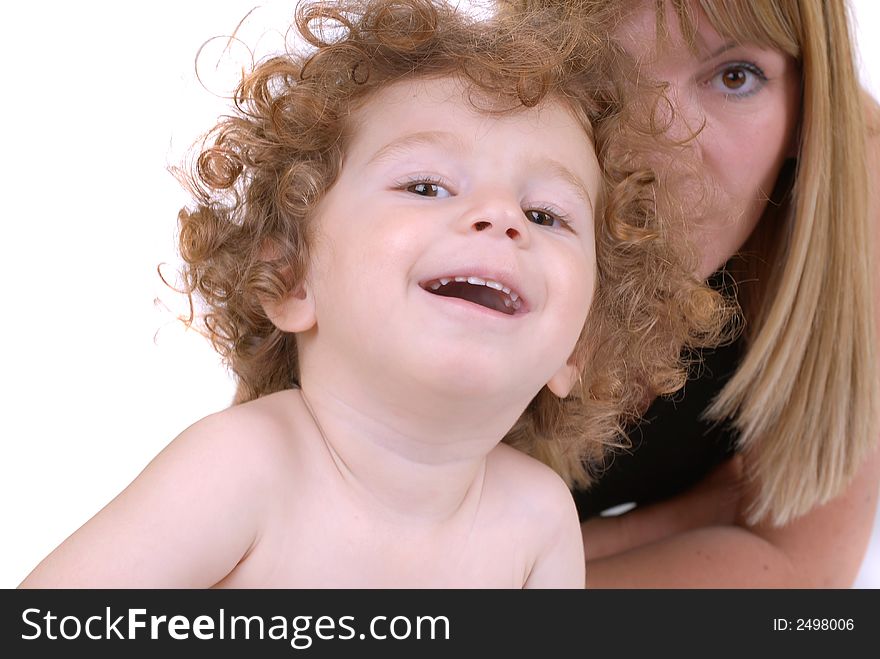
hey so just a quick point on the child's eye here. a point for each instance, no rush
(428, 189)
(546, 218)
(738, 79)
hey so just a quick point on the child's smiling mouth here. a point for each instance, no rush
(483, 292)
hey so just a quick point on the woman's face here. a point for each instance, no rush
(747, 99)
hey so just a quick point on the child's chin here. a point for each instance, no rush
(477, 377)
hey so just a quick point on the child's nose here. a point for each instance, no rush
(484, 225)
(503, 219)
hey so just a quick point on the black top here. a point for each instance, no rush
(672, 448)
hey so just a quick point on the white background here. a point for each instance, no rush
(98, 99)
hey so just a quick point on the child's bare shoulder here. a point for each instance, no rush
(256, 425)
(254, 439)
(529, 487)
(543, 514)
(190, 516)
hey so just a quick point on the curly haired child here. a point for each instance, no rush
(421, 236)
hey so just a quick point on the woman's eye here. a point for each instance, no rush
(740, 79)
(428, 189)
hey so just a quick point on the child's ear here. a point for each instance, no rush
(563, 380)
(294, 313)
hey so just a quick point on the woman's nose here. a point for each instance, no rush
(685, 117)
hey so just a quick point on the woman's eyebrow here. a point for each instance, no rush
(730, 45)
(408, 142)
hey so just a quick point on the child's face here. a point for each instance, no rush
(432, 191)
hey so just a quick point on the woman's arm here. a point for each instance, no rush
(822, 549)
(712, 502)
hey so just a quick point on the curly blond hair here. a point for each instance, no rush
(261, 171)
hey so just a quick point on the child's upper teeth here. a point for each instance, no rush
(477, 281)
(511, 299)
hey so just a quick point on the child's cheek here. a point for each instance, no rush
(579, 284)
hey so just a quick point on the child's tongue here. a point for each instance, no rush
(482, 295)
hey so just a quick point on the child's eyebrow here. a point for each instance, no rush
(560, 171)
(453, 142)
(401, 145)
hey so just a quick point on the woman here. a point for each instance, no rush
(767, 97)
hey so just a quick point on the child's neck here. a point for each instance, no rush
(426, 465)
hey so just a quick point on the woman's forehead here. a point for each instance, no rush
(703, 25)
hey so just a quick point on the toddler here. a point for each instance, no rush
(418, 238)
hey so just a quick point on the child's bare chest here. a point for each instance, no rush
(334, 545)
